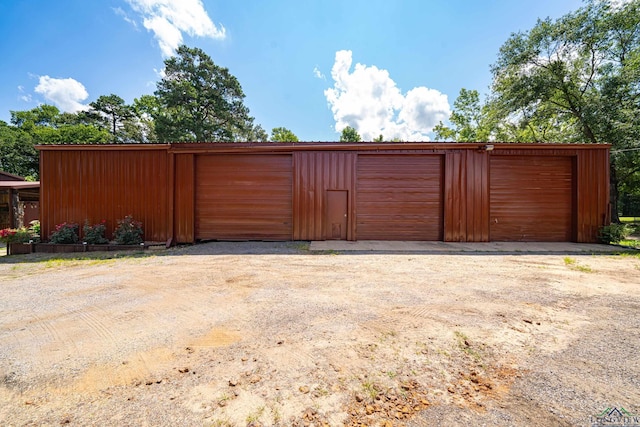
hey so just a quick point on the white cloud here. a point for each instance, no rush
(369, 100)
(318, 74)
(118, 11)
(168, 19)
(66, 94)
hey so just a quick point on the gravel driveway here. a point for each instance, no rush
(236, 334)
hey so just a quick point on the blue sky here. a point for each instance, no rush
(390, 67)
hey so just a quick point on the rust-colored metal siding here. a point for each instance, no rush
(466, 196)
(315, 173)
(424, 191)
(184, 200)
(243, 196)
(399, 197)
(592, 194)
(81, 183)
(532, 198)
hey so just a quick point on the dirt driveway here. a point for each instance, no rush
(236, 334)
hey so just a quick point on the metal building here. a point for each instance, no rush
(316, 191)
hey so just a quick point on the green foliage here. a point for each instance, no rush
(12, 235)
(200, 101)
(17, 152)
(43, 125)
(94, 234)
(128, 231)
(575, 79)
(282, 134)
(34, 229)
(470, 120)
(613, 233)
(253, 133)
(117, 113)
(349, 134)
(65, 233)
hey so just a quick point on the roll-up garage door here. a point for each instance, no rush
(399, 197)
(531, 198)
(243, 197)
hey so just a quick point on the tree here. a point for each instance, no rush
(577, 79)
(282, 134)
(43, 125)
(200, 101)
(253, 133)
(17, 152)
(146, 108)
(117, 113)
(349, 134)
(469, 120)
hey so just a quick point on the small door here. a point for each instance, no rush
(336, 215)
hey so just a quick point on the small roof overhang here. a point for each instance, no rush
(19, 185)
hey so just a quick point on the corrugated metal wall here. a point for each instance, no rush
(399, 197)
(184, 199)
(187, 192)
(243, 196)
(466, 196)
(88, 183)
(592, 193)
(315, 173)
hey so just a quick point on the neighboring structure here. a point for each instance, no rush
(315, 191)
(19, 201)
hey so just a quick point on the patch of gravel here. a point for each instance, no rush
(258, 333)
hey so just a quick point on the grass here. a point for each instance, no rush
(573, 265)
(370, 389)
(255, 416)
(630, 219)
(463, 343)
(92, 258)
(630, 243)
(222, 423)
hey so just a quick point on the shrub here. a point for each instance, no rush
(613, 233)
(94, 234)
(15, 235)
(65, 233)
(128, 232)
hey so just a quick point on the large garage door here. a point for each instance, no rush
(531, 199)
(243, 197)
(399, 198)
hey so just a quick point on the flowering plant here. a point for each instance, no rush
(128, 232)
(65, 233)
(94, 234)
(13, 235)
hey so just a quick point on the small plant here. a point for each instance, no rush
(371, 389)
(94, 234)
(613, 233)
(255, 416)
(65, 233)
(34, 229)
(128, 232)
(13, 235)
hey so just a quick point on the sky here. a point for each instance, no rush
(390, 67)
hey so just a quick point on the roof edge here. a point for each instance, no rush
(320, 146)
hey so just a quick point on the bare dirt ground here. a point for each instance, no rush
(236, 334)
